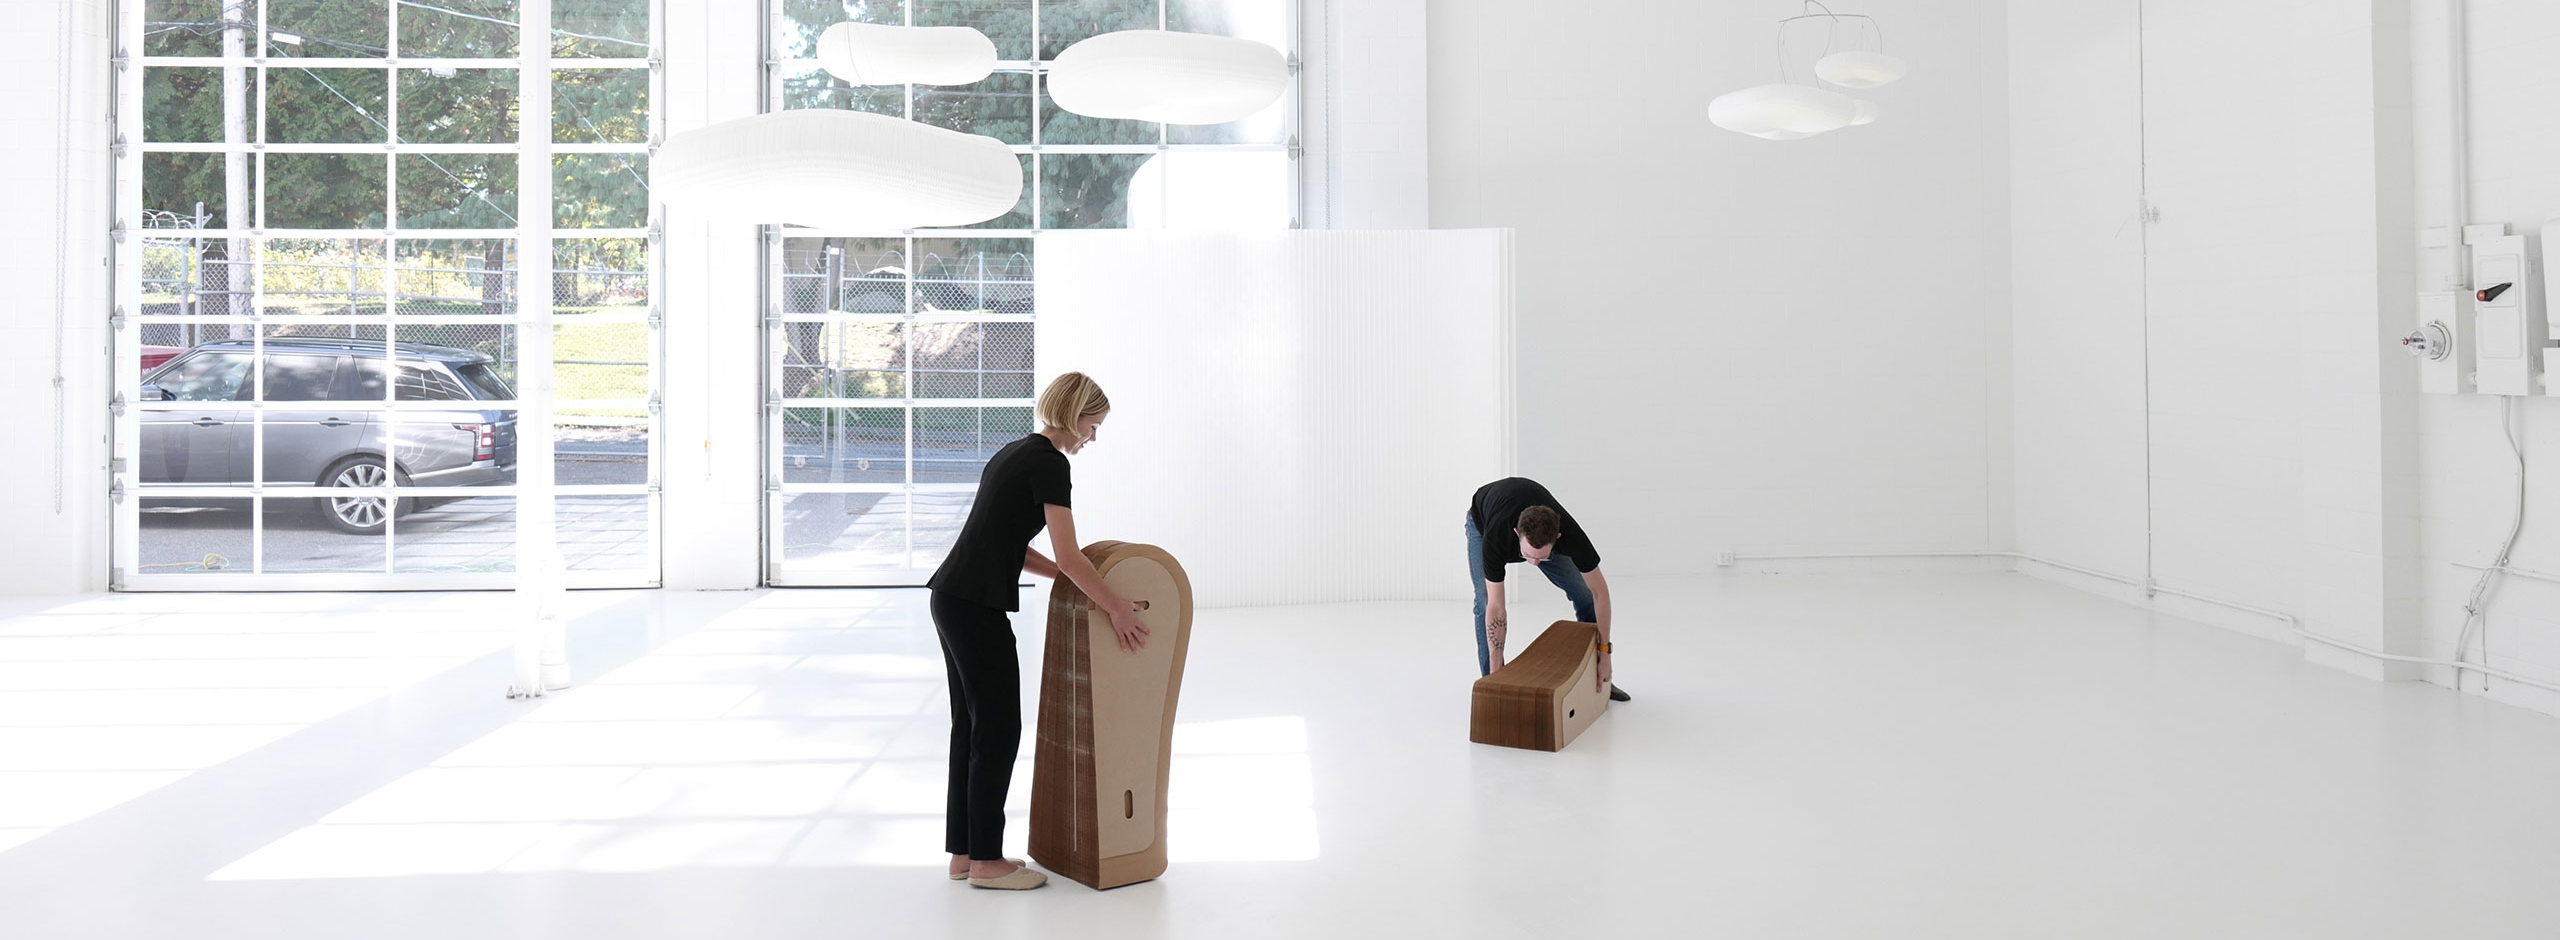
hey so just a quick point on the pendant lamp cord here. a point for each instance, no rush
(1829, 37)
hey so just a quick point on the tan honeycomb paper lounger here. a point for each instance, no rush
(1544, 699)
(1105, 746)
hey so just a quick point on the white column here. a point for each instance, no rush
(714, 288)
(239, 95)
(541, 654)
(61, 87)
(2360, 570)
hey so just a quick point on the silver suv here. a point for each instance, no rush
(210, 445)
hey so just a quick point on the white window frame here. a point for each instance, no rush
(778, 569)
(533, 238)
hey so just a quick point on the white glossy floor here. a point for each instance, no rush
(1914, 756)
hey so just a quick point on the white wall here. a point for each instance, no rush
(2465, 470)
(2290, 455)
(1727, 342)
(1298, 417)
(2282, 248)
(1366, 128)
(57, 79)
(2075, 163)
(2173, 374)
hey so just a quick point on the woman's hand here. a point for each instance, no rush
(1132, 631)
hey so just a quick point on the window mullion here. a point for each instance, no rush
(538, 561)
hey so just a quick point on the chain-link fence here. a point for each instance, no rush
(923, 360)
(463, 292)
(907, 365)
(853, 275)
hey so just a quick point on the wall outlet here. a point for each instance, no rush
(1724, 559)
(2442, 343)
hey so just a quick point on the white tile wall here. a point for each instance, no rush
(1732, 343)
(2466, 474)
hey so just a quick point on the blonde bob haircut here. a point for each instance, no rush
(1071, 398)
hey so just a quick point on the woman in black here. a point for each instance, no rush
(1024, 488)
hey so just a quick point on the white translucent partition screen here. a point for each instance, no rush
(1262, 383)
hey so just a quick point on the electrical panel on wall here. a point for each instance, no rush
(2510, 333)
(2442, 343)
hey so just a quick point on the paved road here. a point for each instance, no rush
(870, 530)
(598, 532)
(476, 534)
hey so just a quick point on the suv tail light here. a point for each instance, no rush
(487, 438)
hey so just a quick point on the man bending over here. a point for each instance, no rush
(1515, 520)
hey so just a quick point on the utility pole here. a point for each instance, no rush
(235, 159)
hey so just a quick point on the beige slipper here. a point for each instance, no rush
(1020, 879)
(964, 876)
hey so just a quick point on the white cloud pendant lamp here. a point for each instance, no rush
(876, 54)
(845, 169)
(1174, 78)
(1782, 112)
(1860, 69)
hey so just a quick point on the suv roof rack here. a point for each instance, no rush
(428, 351)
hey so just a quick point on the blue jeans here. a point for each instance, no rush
(1559, 569)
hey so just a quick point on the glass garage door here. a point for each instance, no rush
(898, 362)
(328, 260)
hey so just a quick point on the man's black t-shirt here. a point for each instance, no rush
(985, 564)
(1497, 509)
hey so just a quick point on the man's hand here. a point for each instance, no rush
(1497, 624)
(1600, 678)
(1132, 631)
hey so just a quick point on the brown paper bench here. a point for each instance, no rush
(1544, 698)
(1105, 748)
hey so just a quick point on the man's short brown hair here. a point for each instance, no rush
(1540, 525)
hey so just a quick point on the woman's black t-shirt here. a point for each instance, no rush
(985, 564)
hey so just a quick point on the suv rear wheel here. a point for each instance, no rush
(360, 515)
